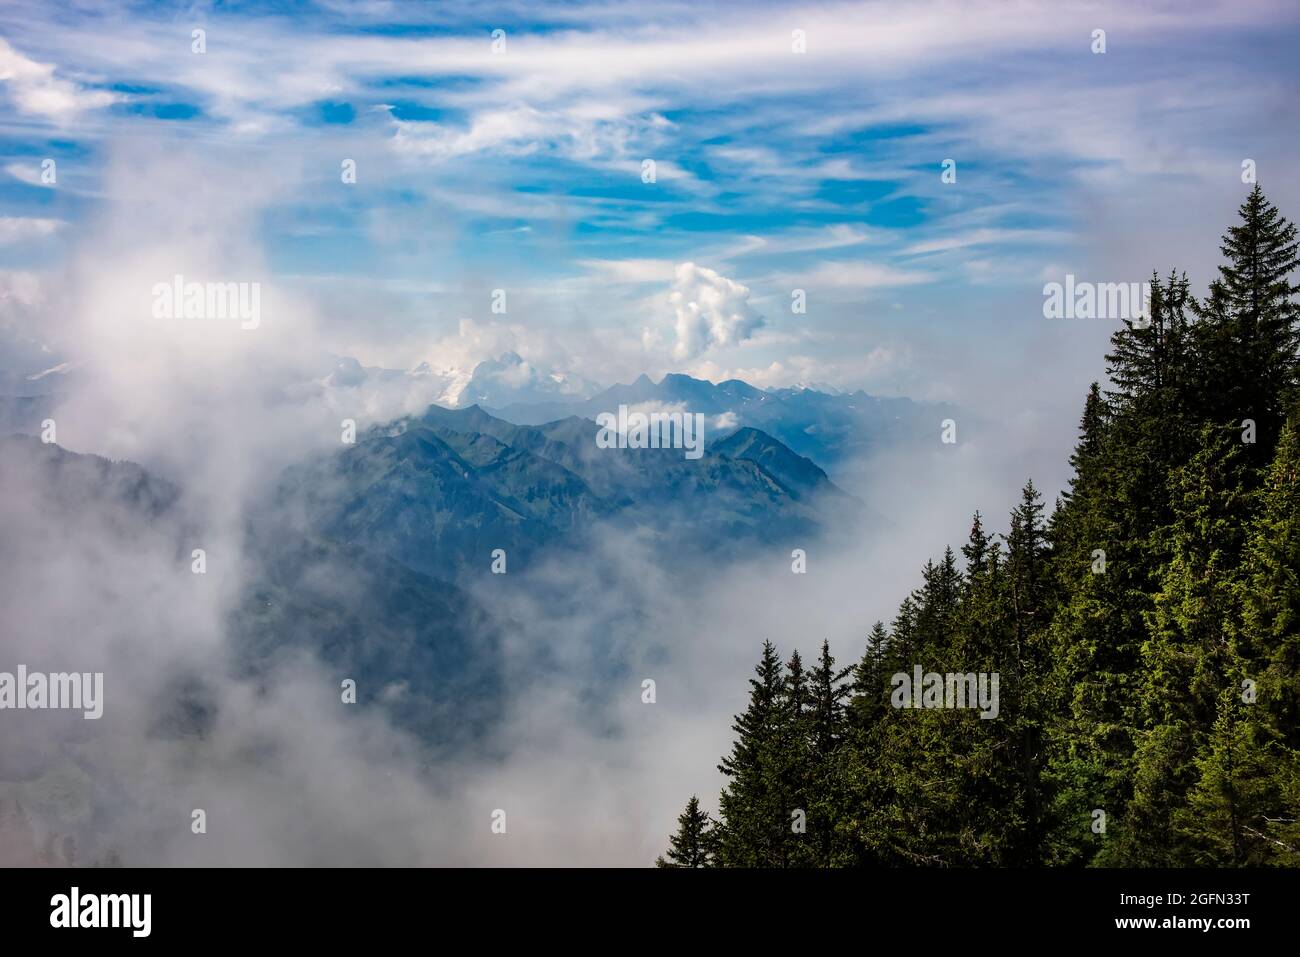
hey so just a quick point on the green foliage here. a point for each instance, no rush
(1146, 634)
(693, 844)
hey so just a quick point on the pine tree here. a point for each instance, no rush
(869, 699)
(789, 764)
(1027, 550)
(1271, 589)
(978, 550)
(1188, 658)
(1227, 810)
(753, 811)
(827, 691)
(1019, 732)
(1149, 359)
(692, 845)
(1270, 639)
(1147, 635)
(1249, 332)
(827, 729)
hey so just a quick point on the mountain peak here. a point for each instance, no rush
(799, 474)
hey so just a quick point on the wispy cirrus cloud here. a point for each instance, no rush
(984, 237)
(15, 229)
(854, 274)
(520, 165)
(36, 88)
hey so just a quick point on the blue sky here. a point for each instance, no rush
(520, 168)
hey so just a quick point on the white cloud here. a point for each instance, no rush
(31, 175)
(15, 229)
(727, 420)
(837, 236)
(855, 371)
(632, 270)
(33, 88)
(856, 275)
(711, 310)
(983, 237)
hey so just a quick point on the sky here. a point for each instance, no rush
(516, 164)
(515, 161)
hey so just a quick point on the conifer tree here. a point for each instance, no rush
(1188, 658)
(692, 845)
(753, 813)
(978, 550)
(1271, 590)
(827, 728)
(1270, 639)
(870, 685)
(789, 765)
(1225, 819)
(1249, 332)
(1027, 550)
(1147, 635)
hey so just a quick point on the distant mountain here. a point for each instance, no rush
(26, 399)
(59, 378)
(800, 475)
(399, 390)
(441, 491)
(24, 414)
(830, 429)
(835, 429)
(416, 646)
(68, 482)
(511, 380)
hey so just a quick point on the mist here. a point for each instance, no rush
(284, 771)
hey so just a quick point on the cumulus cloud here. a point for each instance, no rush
(711, 310)
(510, 378)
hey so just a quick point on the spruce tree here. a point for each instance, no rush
(978, 550)
(827, 728)
(1188, 658)
(1147, 635)
(789, 765)
(692, 845)
(1249, 331)
(869, 698)
(1225, 819)
(1270, 641)
(753, 828)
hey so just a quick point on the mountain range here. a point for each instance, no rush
(370, 556)
(830, 428)
(837, 430)
(442, 491)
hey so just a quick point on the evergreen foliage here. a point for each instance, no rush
(1146, 634)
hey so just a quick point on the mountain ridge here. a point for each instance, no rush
(444, 490)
